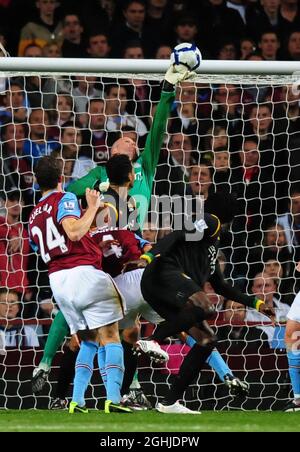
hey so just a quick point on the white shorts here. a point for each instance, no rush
(87, 297)
(294, 312)
(129, 285)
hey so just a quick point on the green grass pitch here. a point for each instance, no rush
(151, 421)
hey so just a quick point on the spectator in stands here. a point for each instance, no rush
(262, 16)
(33, 51)
(255, 56)
(215, 20)
(293, 46)
(14, 246)
(14, 102)
(216, 137)
(240, 6)
(256, 196)
(269, 45)
(174, 165)
(265, 288)
(255, 188)
(273, 268)
(247, 47)
(15, 170)
(97, 14)
(289, 127)
(98, 45)
(191, 93)
(158, 18)
(223, 178)
(73, 45)
(97, 135)
(137, 90)
(186, 30)
(273, 153)
(227, 108)
(163, 52)
(131, 29)
(227, 50)
(34, 86)
(273, 254)
(43, 29)
(71, 135)
(201, 179)
(184, 120)
(291, 222)
(52, 50)
(186, 92)
(67, 161)
(133, 49)
(65, 108)
(289, 16)
(84, 88)
(275, 238)
(14, 335)
(116, 100)
(37, 143)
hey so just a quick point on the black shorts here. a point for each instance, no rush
(166, 288)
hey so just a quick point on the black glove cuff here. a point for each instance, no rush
(168, 87)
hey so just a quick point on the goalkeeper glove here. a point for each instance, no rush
(181, 73)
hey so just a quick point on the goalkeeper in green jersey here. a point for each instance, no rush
(144, 166)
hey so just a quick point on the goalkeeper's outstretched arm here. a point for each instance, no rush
(155, 137)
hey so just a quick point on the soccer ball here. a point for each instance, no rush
(186, 54)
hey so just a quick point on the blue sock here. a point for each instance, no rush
(114, 367)
(83, 370)
(294, 371)
(101, 363)
(215, 360)
(190, 341)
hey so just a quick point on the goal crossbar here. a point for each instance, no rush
(213, 71)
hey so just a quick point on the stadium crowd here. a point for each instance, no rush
(241, 139)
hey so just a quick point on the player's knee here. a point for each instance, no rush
(204, 308)
(109, 335)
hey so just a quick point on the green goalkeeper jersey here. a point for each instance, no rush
(144, 166)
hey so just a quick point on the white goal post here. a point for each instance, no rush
(258, 71)
(208, 125)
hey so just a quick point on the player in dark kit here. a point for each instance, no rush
(173, 282)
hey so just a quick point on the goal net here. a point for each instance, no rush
(235, 127)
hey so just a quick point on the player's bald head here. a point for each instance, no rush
(124, 146)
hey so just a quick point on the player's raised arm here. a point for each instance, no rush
(77, 228)
(155, 137)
